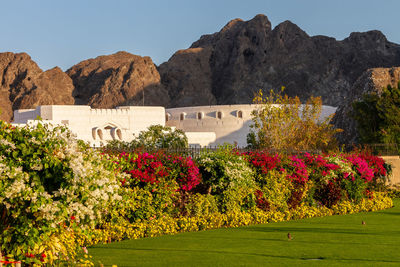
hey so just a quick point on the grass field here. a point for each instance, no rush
(328, 241)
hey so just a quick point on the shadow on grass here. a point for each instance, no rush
(284, 240)
(390, 213)
(308, 230)
(235, 253)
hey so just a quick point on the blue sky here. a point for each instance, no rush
(63, 33)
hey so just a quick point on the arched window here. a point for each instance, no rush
(200, 115)
(182, 116)
(119, 134)
(219, 114)
(100, 134)
(239, 114)
(167, 117)
(94, 133)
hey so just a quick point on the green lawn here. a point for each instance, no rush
(328, 241)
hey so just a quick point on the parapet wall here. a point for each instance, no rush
(394, 161)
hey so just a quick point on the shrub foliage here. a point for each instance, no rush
(282, 123)
(57, 195)
(378, 116)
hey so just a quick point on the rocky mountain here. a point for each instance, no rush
(372, 80)
(227, 67)
(116, 80)
(25, 85)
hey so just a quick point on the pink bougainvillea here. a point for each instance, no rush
(319, 165)
(299, 172)
(263, 162)
(152, 168)
(361, 166)
(376, 163)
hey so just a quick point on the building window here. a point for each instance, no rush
(182, 116)
(119, 134)
(100, 134)
(167, 117)
(219, 115)
(239, 114)
(94, 133)
(200, 115)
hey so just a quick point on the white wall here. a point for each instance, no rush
(216, 125)
(232, 127)
(96, 126)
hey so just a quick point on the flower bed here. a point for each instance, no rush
(57, 195)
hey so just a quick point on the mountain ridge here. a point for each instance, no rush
(225, 67)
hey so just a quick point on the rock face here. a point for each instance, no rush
(372, 80)
(118, 79)
(25, 85)
(229, 66)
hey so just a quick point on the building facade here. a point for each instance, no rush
(203, 125)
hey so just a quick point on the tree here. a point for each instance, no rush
(283, 123)
(378, 116)
(155, 137)
(158, 136)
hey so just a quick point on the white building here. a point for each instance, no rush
(97, 126)
(231, 123)
(203, 125)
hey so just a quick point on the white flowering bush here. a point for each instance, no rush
(49, 180)
(228, 175)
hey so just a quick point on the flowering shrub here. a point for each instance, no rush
(157, 184)
(223, 169)
(48, 178)
(227, 175)
(168, 225)
(327, 179)
(153, 168)
(380, 168)
(57, 195)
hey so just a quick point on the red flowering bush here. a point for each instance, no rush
(297, 169)
(183, 170)
(263, 162)
(319, 166)
(333, 176)
(152, 168)
(261, 201)
(157, 186)
(361, 166)
(380, 169)
(329, 194)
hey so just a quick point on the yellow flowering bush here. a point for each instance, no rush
(167, 225)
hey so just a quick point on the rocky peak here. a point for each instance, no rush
(366, 37)
(247, 55)
(118, 79)
(231, 24)
(25, 85)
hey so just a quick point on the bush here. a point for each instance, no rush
(276, 189)
(282, 123)
(377, 116)
(155, 137)
(227, 175)
(57, 195)
(47, 179)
